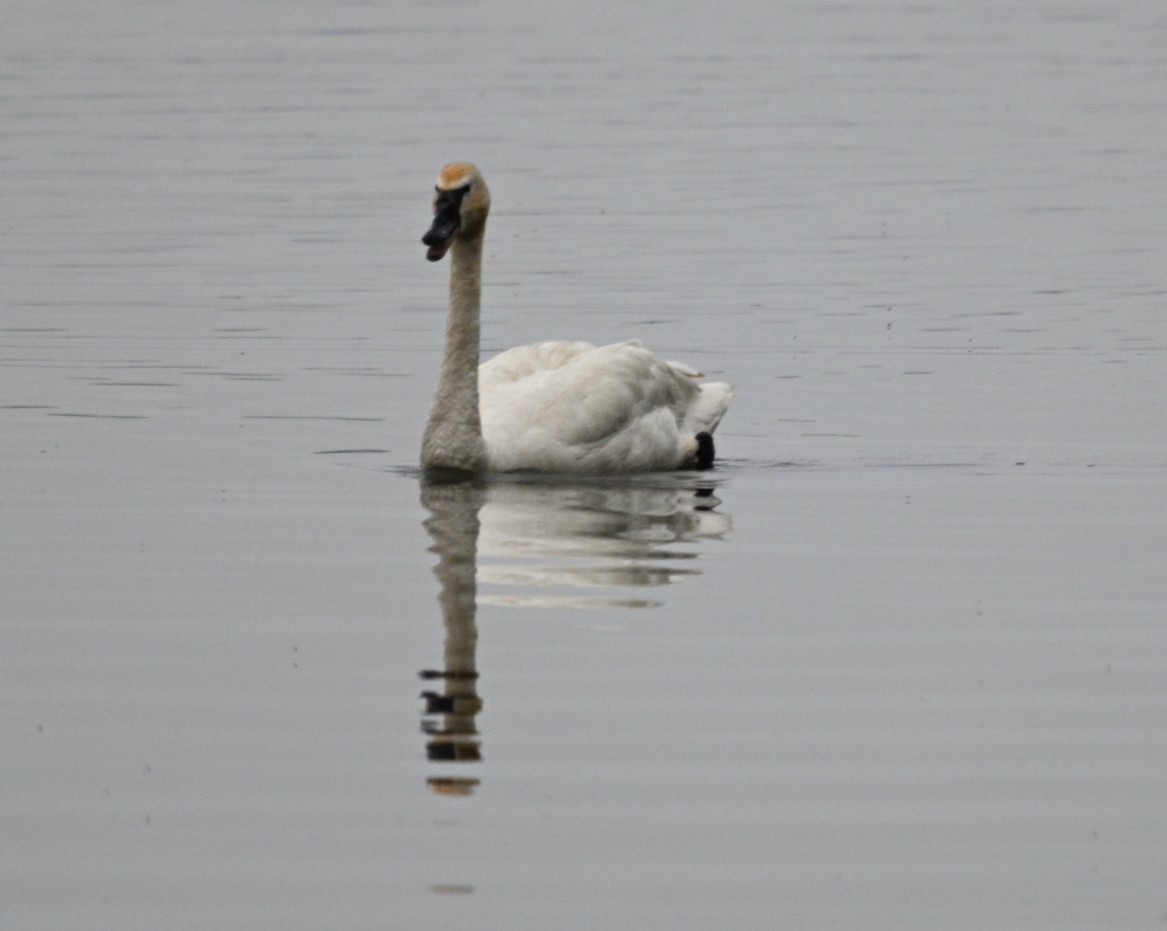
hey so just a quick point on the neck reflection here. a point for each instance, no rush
(449, 716)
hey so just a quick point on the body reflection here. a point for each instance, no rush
(555, 544)
(541, 542)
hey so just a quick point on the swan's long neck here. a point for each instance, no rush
(453, 436)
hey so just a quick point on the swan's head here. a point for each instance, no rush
(461, 203)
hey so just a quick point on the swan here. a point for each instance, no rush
(560, 406)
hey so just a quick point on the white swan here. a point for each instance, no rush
(556, 406)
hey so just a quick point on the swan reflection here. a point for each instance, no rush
(537, 543)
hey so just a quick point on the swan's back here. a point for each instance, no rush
(572, 406)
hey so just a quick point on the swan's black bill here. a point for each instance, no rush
(447, 222)
(441, 235)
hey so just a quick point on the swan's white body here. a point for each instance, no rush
(574, 407)
(556, 406)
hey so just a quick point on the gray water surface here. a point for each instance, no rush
(898, 662)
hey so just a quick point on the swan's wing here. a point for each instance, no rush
(524, 362)
(575, 406)
(580, 393)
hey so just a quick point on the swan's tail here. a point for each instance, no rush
(707, 407)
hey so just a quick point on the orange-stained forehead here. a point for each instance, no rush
(455, 175)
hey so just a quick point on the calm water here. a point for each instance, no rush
(897, 663)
